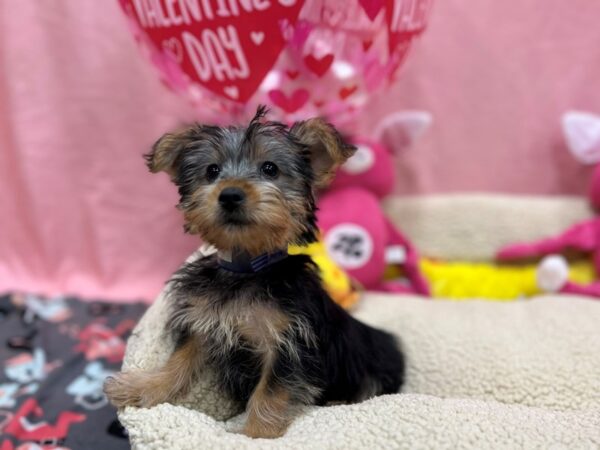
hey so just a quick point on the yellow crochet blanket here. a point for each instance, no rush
(464, 280)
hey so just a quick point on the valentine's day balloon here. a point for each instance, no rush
(301, 57)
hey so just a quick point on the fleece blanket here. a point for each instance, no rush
(480, 374)
(472, 227)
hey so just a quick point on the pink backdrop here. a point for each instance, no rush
(497, 75)
(78, 106)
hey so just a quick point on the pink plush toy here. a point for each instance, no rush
(582, 133)
(356, 232)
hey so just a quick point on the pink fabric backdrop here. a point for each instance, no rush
(78, 106)
(497, 75)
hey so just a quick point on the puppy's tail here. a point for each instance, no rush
(385, 366)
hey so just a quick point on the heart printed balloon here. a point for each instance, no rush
(301, 57)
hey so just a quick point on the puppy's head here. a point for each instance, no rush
(251, 188)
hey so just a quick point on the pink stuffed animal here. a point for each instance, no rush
(582, 133)
(356, 232)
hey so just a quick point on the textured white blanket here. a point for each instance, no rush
(480, 374)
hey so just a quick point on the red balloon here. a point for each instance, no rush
(302, 57)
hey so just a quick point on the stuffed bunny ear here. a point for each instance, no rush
(401, 129)
(582, 133)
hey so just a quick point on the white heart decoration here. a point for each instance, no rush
(582, 133)
(232, 91)
(257, 37)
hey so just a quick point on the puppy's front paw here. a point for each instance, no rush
(130, 389)
(257, 429)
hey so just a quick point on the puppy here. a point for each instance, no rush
(258, 316)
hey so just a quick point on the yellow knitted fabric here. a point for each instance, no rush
(335, 280)
(463, 280)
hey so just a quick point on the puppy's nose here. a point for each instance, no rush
(231, 198)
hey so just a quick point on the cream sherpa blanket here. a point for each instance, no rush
(479, 375)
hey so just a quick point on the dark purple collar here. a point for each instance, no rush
(242, 262)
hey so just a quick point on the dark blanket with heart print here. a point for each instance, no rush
(54, 356)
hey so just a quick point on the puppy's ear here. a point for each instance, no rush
(328, 150)
(165, 152)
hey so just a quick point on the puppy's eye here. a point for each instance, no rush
(212, 172)
(269, 169)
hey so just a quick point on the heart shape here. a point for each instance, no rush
(220, 53)
(257, 37)
(173, 47)
(318, 66)
(232, 92)
(292, 74)
(292, 103)
(346, 92)
(372, 7)
(366, 45)
(299, 34)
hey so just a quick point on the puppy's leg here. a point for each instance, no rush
(145, 389)
(268, 410)
(282, 388)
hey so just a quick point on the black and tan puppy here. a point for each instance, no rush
(257, 316)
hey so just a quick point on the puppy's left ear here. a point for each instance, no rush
(328, 150)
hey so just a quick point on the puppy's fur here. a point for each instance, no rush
(275, 338)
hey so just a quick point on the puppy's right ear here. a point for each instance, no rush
(166, 151)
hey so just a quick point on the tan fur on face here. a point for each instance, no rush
(274, 220)
(146, 389)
